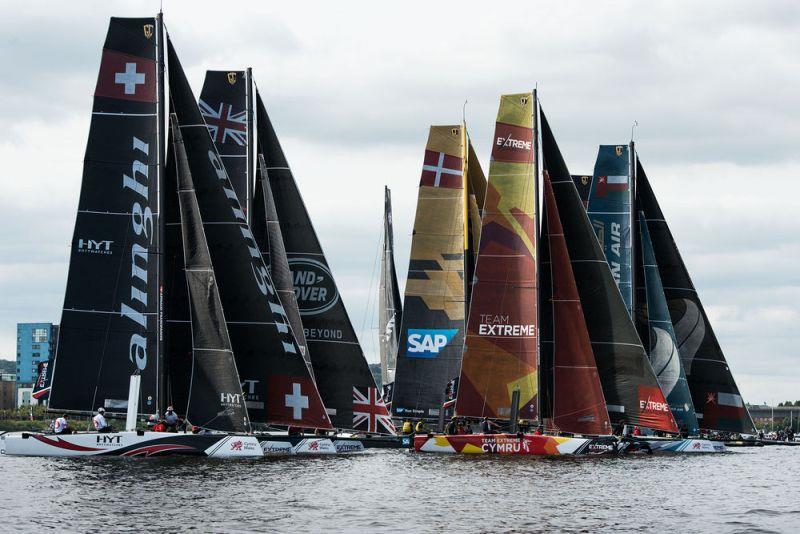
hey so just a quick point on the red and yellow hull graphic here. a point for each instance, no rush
(514, 444)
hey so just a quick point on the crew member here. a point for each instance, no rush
(171, 419)
(420, 427)
(637, 431)
(407, 428)
(450, 429)
(61, 425)
(487, 427)
(100, 423)
(539, 430)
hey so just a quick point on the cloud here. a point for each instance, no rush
(352, 89)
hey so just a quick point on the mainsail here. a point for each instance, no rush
(277, 385)
(223, 103)
(609, 208)
(432, 333)
(629, 385)
(215, 399)
(390, 311)
(716, 398)
(110, 319)
(583, 183)
(501, 350)
(663, 349)
(341, 371)
(575, 402)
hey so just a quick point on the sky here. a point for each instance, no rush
(352, 88)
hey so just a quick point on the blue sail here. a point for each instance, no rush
(609, 210)
(663, 347)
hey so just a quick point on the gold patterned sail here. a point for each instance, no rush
(432, 333)
(501, 350)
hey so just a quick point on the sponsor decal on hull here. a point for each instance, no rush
(526, 444)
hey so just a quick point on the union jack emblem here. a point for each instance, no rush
(370, 413)
(223, 124)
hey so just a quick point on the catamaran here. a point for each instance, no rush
(197, 323)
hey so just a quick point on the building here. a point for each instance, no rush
(25, 397)
(36, 342)
(8, 387)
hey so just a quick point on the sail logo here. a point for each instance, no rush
(428, 343)
(513, 143)
(144, 229)
(91, 246)
(233, 400)
(314, 287)
(509, 142)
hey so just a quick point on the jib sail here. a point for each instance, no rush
(390, 311)
(501, 350)
(44, 377)
(662, 347)
(609, 208)
(267, 231)
(716, 398)
(110, 320)
(277, 385)
(432, 333)
(215, 398)
(223, 103)
(575, 402)
(629, 385)
(341, 371)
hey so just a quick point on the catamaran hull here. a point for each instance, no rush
(130, 444)
(513, 444)
(170, 444)
(684, 446)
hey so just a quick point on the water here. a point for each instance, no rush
(748, 490)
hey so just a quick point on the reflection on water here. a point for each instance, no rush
(388, 490)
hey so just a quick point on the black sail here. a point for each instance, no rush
(716, 398)
(267, 231)
(277, 385)
(223, 103)
(215, 395)
(629, 385)
(390, 311)
(341, 371)
(109, 324)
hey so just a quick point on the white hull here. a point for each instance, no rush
(167, 444)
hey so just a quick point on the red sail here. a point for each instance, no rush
(578, 402)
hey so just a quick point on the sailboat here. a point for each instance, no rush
(390, 305)
(197, 319)
(499, 377)
(655, 280)
(714, 394)
(443, 251)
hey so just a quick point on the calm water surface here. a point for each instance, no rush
(748, 490)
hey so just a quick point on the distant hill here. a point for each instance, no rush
(8, 366)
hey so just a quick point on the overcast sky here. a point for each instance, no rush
(353, 87)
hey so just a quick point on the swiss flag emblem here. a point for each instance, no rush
(295, 401)
(126, 77)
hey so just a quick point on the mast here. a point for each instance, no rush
(634, 221)
(161, 395)
(536, 235)
(250, 144)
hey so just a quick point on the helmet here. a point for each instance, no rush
(101, 410)
(169, 409)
